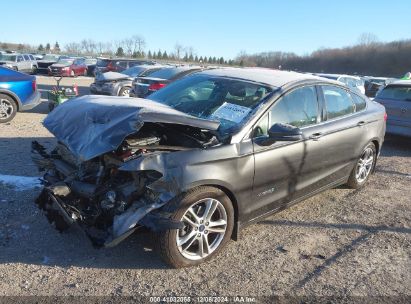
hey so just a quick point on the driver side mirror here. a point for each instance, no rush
(281, 132)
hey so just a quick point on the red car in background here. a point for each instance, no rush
(69, 67)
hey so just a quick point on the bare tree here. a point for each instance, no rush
(367, 39)
(128, 46)
(178, 50)
(73, 48)
(139, 43)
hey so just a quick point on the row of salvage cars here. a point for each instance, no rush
(204, 156)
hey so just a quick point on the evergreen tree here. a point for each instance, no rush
(185, 57)
(196, 58)
(165, 56)
(120, 52)
(57, 47)
(40, 48)
(48, 47)
(201, 59)
(159, 55)
(191, 58)
(210, 59)
(221, 60)
(149, 55)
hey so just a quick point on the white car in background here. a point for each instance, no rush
(353, 82)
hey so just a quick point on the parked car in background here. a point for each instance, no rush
(118, 64)
(396, 98)
(91, 65)
(18, 92)
(353, 82)
(145, 85)
(69, 67)
(47, 61)
(198, 170)
(120, 84)
(37, 56)
(19, 62)
(374, 84)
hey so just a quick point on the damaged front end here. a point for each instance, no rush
(103, 193)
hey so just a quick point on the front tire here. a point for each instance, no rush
(363, 168)
(208, 217)
(8, 108)
(125, 92)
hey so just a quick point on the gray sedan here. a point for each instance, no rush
(204, 157)
(396, 98)
(120, 84)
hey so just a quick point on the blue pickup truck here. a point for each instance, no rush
(18, 92)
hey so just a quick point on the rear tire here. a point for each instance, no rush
(8, 108)
(363, 168)
(213, 231)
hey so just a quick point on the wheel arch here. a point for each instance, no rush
(13, 96)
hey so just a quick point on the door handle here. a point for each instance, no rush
(361, 123)
(316, 136)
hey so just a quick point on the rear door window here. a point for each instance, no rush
(26, 57)
(337, 101)
(360, 103)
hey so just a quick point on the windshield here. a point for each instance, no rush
(90, 61)
(102, 62)
(8, 57)
(65, 61)
(396, 92)
(229, 101)
(134, 71)
(50, 57)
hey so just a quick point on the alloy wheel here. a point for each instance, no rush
(6, 109)
(205, 225)
(364, 165)
(126, 93)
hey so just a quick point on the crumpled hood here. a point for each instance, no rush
(111, 76)
(93, 125)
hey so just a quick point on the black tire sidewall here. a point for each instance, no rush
(170, 251)
(14, 105)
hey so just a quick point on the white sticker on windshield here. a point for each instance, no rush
(231, 112)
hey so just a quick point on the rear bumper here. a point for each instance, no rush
(32, 102)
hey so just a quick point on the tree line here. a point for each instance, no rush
(366, 57)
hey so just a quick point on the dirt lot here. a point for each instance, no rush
(339, 243)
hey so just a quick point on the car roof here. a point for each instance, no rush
(275, 78)
(400, 83)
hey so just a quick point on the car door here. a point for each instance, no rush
(279, 167)
(343, 135)
(20, 63)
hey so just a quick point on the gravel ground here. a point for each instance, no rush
(340, 243)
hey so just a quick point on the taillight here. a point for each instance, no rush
(34, 85)
(385, 116)
(156, 86)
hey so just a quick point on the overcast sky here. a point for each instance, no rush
(211, 27)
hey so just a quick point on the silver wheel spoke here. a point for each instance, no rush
(189, 221)
(217, 223)
(181, 241)
(211, 206)
(216, 230)
(193, 214)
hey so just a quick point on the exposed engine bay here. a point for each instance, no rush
(107, 201)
